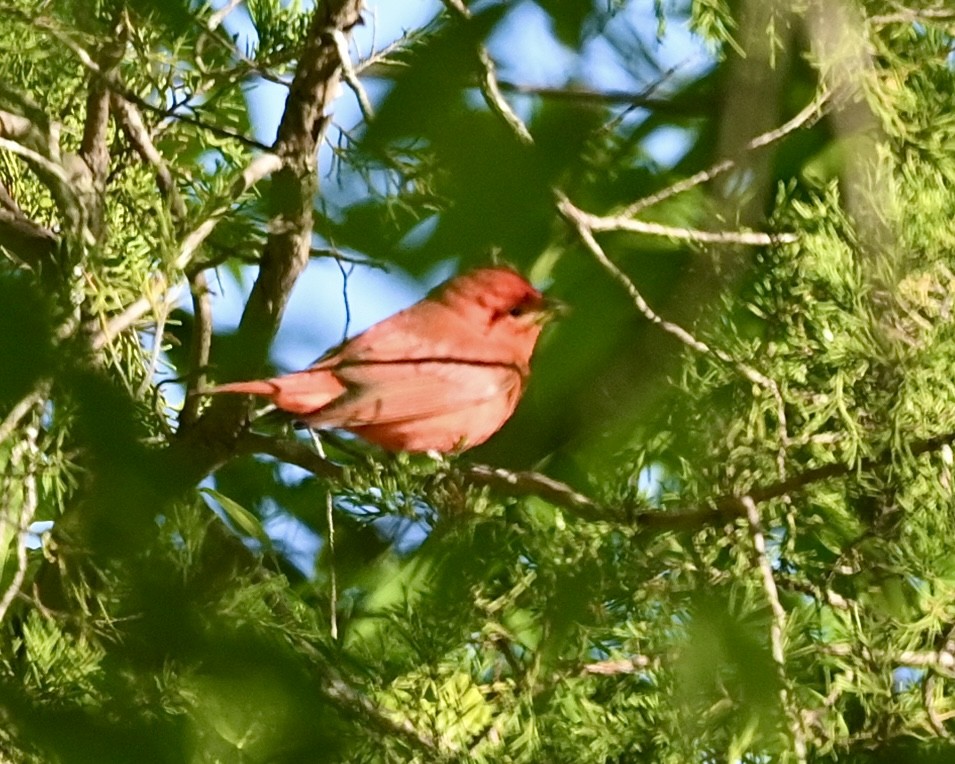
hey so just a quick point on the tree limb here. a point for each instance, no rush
(93, 148)
(30, 243)
(294, 186)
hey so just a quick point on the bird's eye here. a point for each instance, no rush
(516, 311)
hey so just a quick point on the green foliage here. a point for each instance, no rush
(174, 614)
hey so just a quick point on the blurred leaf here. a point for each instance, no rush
(176, 15)
(26, 339)
(432, 85)
(242, 518)
(725, 659)
(568, 17)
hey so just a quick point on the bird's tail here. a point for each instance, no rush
(301, 393)
(264, 387)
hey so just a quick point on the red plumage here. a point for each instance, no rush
(443, 375)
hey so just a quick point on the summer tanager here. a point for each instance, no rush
(443, 375)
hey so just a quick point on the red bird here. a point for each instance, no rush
(443, 375)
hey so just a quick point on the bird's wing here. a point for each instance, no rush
(426, 329)
(390, 392)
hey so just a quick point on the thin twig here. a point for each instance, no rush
(330, 541)
(806, 117)
(928, 700)
(201, 346)
(117, 86)
(257, 169)
(134, 126)
(219, 16)
(379, 59)
(777, 627)
(651, 87)
(332, 575)
(161, 311)
(350, 76)
(633, 99)
(132, 313)
(601, 224)
(385, 719)
(346, 302)
(131, 121)
(495, 99)
(811, 717)
(490, 89)
(263, 165)
(178, 116)
(536, 484)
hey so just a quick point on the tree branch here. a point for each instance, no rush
(220, 15)
(721, 509)
(640, 100)
(201, 345)
(290, 451)
(617, 666)
(116, 85)
(131, 122)
(601, 224)
(350, 75)
(537, 484)
(23, 407)
(132, 313)
(93, 148)
(294, 187)
(26, 131)
(913, 15)
(385, 720)
(30, 243)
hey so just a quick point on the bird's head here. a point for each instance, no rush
(505, 302)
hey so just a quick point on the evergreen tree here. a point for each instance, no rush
(719, 527)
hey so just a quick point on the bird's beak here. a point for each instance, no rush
(551, 309)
